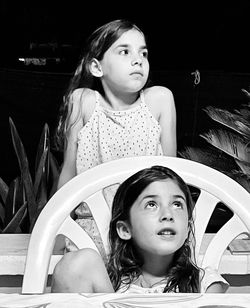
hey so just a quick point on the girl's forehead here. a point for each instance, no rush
(163, 188)
(163, 185)
(130, 37)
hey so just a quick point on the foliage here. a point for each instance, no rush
(230, 139)
(23, 200)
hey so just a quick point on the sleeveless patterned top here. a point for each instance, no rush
(110, 135)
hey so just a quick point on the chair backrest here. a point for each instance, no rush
(55, 218)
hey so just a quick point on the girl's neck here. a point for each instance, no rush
(157, 265)
(154, 272)
(146, 280)
(120, 102)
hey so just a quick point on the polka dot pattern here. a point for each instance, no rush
(110, 135)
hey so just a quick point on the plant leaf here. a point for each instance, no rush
(2, 214)
(10, 204)
(42, 194)
(210, 157)
(3, 190)
(236, 122)
(20, 194)
(245, 113)
(24, 168)
(42, 146)
(41, 170)
(246, 93)
(244, 167)
(55, 172)
(15, 222)
(229, 143)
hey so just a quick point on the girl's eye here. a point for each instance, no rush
(124, 52)
(178, 204)
(145, 54)
(151, 204)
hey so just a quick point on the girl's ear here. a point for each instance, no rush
(123, 230)
(95, 68)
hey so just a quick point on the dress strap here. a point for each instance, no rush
(142, 97)
(97, 97)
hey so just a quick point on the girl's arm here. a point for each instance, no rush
(69, 163)
(213, 282)
(81, 271)
(216, 287)
(163, 107)
(75, 124)
(168, 124)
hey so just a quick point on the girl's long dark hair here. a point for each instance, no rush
(95, 47)
(124, 265)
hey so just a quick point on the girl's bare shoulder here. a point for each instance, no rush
(157, 96)
(158, 92)
(83, 96)
(84, 99)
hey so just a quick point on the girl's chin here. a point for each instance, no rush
(136, 88)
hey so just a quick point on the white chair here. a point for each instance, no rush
(55, 219)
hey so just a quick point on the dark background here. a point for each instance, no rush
(183, 36)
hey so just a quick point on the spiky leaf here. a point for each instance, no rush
(231, 120)
(16, 221)
(246, 93)
(244, 167)
(210, 157)
(42, 147)
(41, 170)
(10, 204)
(24, 168)
(2, 214)
(3, 190)
(245, 113)
(42, 197)
(229, 143)
(55, 172)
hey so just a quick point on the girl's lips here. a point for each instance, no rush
(137, 73)
(166, 231)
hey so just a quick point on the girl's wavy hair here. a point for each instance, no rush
(95, 47)
(124, 265)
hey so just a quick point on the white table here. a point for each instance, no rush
(181, 300)
(13, 249)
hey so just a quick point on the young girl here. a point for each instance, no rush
(151, 236)
(108, 113)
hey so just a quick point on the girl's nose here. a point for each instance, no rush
(166, 215)
(137, 61)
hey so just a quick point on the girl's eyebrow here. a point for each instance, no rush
(179, 196)
(155, 196)
(150, 196)
(127, 45)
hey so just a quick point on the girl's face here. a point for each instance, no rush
(125, 64)
(158, 222)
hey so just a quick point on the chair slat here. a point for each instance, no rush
(204, 208)
(102, 215)
(233, 228)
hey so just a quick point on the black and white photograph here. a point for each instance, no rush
(125, 154)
